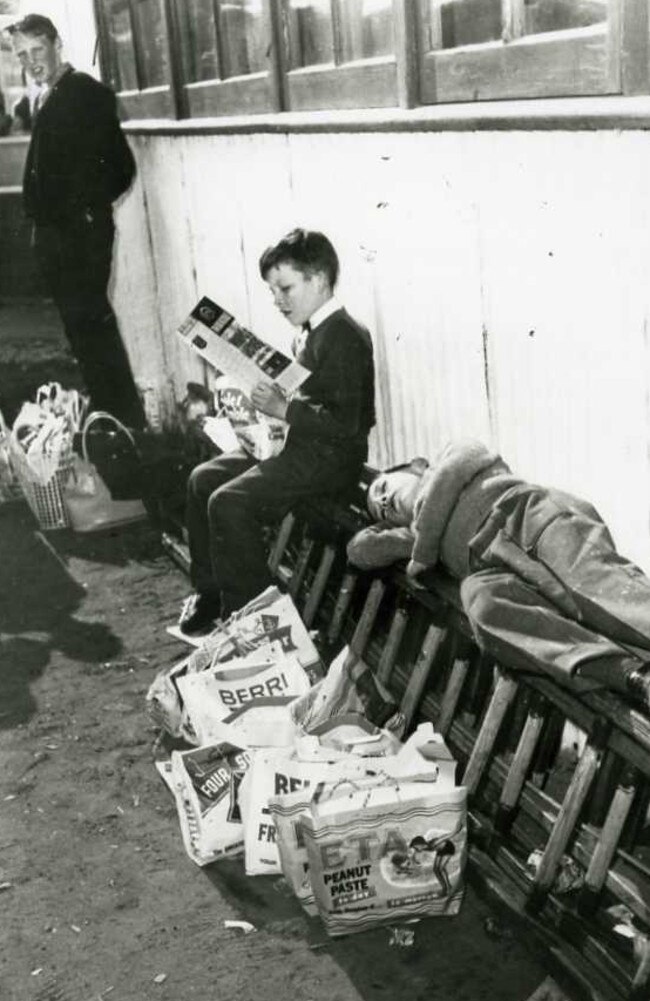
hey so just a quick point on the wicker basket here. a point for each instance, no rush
(45, 499)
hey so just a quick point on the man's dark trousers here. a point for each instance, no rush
(75, 258)
(231, 498)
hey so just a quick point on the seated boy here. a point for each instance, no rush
(230, 498)
(540, 577)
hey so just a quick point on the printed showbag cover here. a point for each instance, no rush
(205, 782)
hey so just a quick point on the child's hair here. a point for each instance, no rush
(307, 250)
(34, 24)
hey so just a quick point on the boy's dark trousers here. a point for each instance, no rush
(549, 590)
(231, 498)
(75, 258)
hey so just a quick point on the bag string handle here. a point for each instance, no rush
(93, 418)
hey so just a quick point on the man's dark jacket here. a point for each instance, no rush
(78, 159)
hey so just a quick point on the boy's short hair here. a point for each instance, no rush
(34, 24)
(307, 250)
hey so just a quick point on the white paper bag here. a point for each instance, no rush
(215, 693)
(389, 852)
(205, 783)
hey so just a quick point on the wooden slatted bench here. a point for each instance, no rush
(558, 826)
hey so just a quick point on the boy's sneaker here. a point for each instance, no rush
(198, 615)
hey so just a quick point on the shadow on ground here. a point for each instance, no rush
(38, 601)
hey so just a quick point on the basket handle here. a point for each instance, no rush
(93, 418)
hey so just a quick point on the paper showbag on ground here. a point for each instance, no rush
(424, 755)
(276, 772)
(205, 782)
(286, 812)
(271, 617)
(350, 685)
(387, 853)
(346, 735)
(211, 695)
(164, 703)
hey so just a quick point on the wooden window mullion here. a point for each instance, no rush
(106, 70)
(408, 34)
(337, 34)
(635, 47)
(513, 19)
(176, 81)
(221, 62)
(137, 45)
(279, 54)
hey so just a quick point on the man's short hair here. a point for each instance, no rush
(307, 250)
(35, 24)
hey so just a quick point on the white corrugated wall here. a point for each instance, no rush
(503, 277)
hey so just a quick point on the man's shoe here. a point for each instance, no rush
(198, 615)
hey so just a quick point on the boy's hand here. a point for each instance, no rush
(268, 398)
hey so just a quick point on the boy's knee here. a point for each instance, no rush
(201, 481)
(226, 504)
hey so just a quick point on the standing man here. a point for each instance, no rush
(78, 163)
(230, 498)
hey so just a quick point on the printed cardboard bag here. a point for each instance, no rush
(276, 772)
(164, 703)
(349, 686)
(213, 694)
(205, 781)
(286, 812)
(424, 755)
(387, 853)
(270, 617)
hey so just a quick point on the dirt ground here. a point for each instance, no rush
(98, 897)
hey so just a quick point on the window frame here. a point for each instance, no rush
(337, 84)
(248, 94)
(145, 102)
(578, 62)
(619, 65)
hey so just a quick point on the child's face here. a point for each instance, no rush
(391, 497)
(297, 295)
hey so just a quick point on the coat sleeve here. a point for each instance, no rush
(457, 465)
(103, 166)
(379, 546)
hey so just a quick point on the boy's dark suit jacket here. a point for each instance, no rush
(334, 409)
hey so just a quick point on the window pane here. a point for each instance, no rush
(198, 39)
(309, 32)
(243, 37)
(152, 42)
(461, 22)
(366, 29)
(121, 55)
(557, 15)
